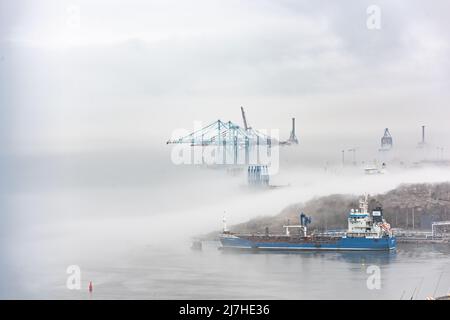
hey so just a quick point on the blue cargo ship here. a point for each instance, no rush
(366, 232)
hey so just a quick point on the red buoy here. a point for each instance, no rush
(90, 286)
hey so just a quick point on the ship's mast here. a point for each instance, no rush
(364, 204)
(224, 221)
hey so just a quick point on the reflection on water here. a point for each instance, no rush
(362, 257)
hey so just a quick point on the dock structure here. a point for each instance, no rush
(230, 139)
(440, 228)
(440, 233)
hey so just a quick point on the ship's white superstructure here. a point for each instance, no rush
(363, 224)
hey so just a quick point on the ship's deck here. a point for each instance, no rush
(290, 238)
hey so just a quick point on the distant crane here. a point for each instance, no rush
(354, 154)
(230, 138)
(386, 141)
(292, 138)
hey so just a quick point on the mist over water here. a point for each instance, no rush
(86, 109)
(130, 223)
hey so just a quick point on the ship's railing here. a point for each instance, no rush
(412, 233)
(360, 234)
(331, 233)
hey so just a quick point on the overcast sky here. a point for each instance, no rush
(83, 82)
(78, 75)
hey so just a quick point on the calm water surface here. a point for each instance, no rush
(156, 273)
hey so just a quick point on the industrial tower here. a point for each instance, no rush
(386, 141)
(293, 138)
(422, 143)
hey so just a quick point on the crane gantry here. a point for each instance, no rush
(228, 136)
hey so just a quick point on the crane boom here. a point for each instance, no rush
(245, 119)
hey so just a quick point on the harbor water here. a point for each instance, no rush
(133, 239)
(410, 272)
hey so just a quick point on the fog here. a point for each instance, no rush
(114, 76)
(103, 219)
(90, 92)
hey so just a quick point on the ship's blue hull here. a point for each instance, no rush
(344, 243)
